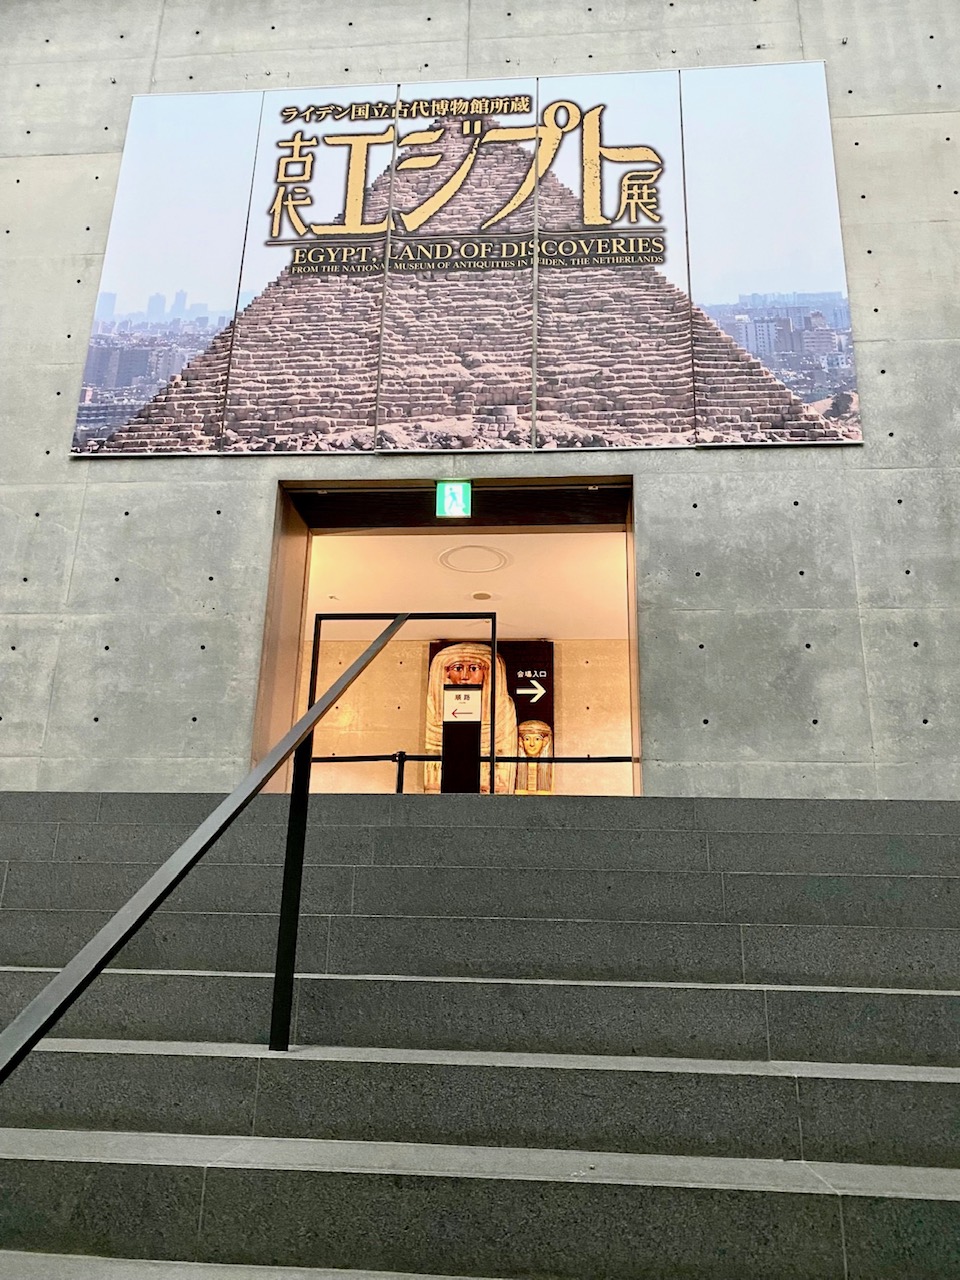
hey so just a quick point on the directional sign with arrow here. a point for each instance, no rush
(529, 666)
(461, 703)
(535, 692)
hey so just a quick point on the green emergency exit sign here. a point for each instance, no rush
(454, 499)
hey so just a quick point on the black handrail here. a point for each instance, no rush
(45, 1010)
(402, 758)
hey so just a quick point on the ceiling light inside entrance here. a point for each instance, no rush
(474, 557)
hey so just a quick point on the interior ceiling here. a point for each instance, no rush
(557, 586)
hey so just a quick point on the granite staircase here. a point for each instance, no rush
(539, 1039)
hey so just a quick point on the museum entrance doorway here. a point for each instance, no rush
(552, 559)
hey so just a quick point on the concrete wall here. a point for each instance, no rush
(133, 591)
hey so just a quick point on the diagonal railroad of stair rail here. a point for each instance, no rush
(46, 1008)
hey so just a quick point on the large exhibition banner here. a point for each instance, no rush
(579, 262)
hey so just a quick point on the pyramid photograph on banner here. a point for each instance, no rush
(458, 331)
(306, 349)
(517, 264)
(614, 358)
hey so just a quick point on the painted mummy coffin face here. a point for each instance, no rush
(533, 742)
(465, 672)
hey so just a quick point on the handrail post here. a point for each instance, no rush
(290, 898)
(493, 703)
(401, 759)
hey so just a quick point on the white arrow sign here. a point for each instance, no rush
(535, 692)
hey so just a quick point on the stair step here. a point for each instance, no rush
(545, 1038)
(608, 950)
(775, 1110)
(60, 1266)
(583, 847)
(822, 1024)
(402, 845)
(470, 892)
(568, 1215)
(793, 816)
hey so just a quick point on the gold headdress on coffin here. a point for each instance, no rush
(506, 741)
(535, 741)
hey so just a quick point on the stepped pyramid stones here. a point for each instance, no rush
(457, 365)
(739, 400)
(614, 360)
(185, 416)
(457, 357)
(304, 370)
(443, 359)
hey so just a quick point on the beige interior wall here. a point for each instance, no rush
(283, 654)
(592, 716)
(380, 713)
(384, 712)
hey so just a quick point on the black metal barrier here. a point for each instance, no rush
(400, 758)
(321, 618)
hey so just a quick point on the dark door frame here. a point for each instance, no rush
(305, 507)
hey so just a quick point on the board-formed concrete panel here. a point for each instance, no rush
(804, 698)
(38, 408)
(38, 533)
(137, 533)
(734, 542)
(808, 780)
(622, 18)
(28, 644)
(914, 291)
(556, 52)
(130, 773)
(926, 146)
(360, 64)
(883, 59)
(44, 32)
(66, 305)
(906, 536)
(38, 106)
(912, 659)
(287, 26)
(42, 204)
(107, 698)
(917, 425)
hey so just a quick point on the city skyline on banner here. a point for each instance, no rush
(384, 267)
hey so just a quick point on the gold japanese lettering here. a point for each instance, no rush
(359, 145)
(638, 195)
(594, 153)
(548, 136)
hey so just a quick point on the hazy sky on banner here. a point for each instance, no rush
(180, 212)
(762, 210)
